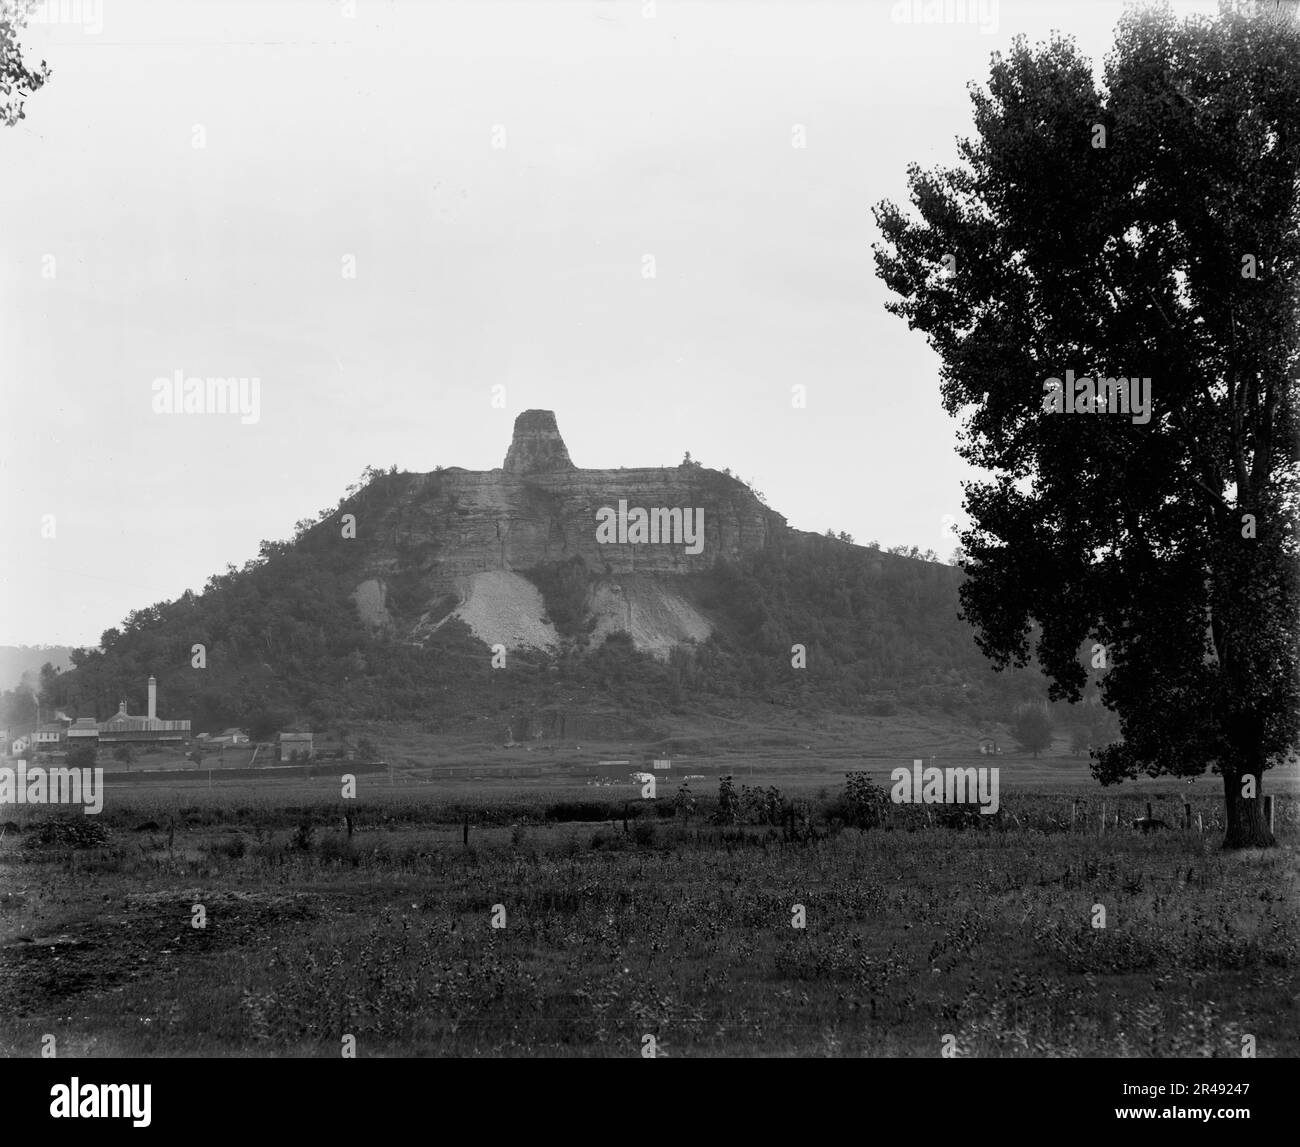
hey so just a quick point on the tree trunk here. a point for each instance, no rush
(1247, 827)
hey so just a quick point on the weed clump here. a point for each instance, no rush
(68, 832)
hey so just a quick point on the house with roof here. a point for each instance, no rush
(220, 740)
(48, 736)
(83, 731)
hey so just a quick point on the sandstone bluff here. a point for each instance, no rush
(458, 541)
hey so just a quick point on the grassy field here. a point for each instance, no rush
(921, 928)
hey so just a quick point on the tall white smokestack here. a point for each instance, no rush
(153, 699)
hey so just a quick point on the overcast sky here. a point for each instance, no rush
(499, 174)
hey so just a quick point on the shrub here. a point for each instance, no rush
(301, 840)
(233, 847)
(336, 846)
(564, 587)
(684, 801)
(728, 811)
(609, 840)
(265, 847)
(865, 801)
(83, 832)
(761, 806)
(1031, 725)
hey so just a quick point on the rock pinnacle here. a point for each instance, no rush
(537, 447)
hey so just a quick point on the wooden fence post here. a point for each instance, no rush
(465, 834)
(1268, 812)
(1101, 825)
(1187, 814)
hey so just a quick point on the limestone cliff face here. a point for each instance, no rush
(447, 526)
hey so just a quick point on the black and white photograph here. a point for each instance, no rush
(650, 529)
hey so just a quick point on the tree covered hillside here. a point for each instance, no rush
(283, 644)
(879, 630)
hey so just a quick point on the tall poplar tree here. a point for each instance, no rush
(1147, 227)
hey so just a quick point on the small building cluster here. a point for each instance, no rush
(231, 736)
(122, 728)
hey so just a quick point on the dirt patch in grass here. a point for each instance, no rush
(149, 934)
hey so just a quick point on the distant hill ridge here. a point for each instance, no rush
(19, 662)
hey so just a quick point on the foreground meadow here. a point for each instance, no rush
(214, 925)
